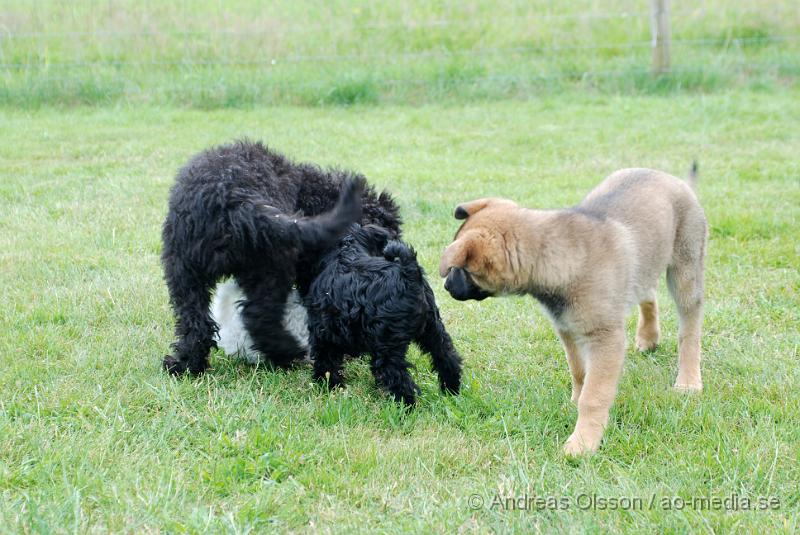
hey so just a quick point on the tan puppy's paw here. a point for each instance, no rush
(646, 343)
(688, 388)
(576, 446)
(647, 330)
(576, 394)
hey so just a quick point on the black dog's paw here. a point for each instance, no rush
(177, 367)
(330, 379)
(450, 384)
(407, 394)
(407, 399)
(174, 366)
(287, 361)
(451, 387)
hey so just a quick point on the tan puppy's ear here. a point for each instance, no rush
(455, 255)
(466, 209)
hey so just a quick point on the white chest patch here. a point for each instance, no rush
(233, 337)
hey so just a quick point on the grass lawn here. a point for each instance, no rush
(95, 437)
(237, 53)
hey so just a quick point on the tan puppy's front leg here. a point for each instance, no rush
(648, 331)
(605, 354)
(575, 362)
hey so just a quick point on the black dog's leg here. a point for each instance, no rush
(390, 369)
(194, 327)
(445, 360)
(437, 343)
(327, 364)
(263, 312)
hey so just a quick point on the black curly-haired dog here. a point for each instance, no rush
(370, 296)
(243, 210)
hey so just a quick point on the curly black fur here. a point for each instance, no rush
(243, 210)
(370, 296)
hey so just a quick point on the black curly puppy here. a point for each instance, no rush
(370, 296)
(236, 210)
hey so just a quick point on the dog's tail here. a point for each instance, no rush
(322, 231)
(399, 252)
(269, 228)
(692, 178)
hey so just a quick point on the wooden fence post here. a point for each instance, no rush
(660, 28)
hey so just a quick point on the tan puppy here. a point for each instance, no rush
(588, 266)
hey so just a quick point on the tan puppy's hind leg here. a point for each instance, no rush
(686, 286)
(575, 362)
(605, 356)
(648, 331)
(689, 378)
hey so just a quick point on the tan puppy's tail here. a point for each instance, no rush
(692, 179)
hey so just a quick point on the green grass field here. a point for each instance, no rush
(101, 102)
(95, 437)
(242, 53)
